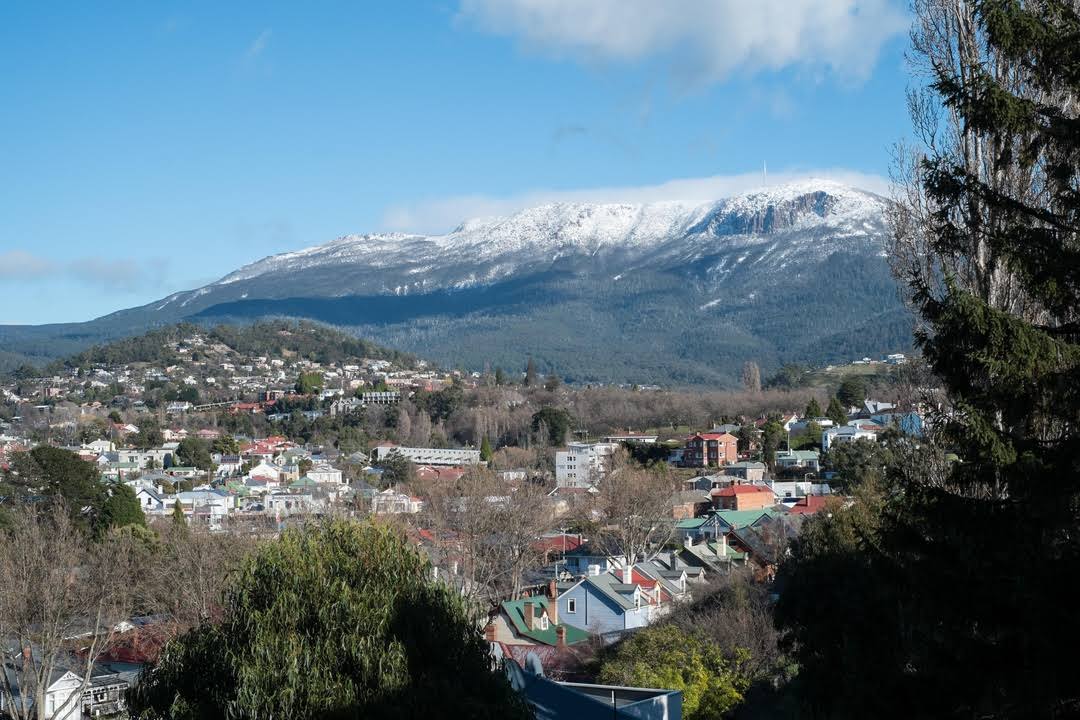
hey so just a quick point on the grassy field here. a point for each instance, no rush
(836, 374)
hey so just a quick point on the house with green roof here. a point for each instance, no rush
(303, 484)
(532, 621)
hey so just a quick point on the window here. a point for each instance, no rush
(571, 605)
(543, 622)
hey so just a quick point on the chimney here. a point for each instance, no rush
(553, 603)
(723, 545)
(688, 542)
(489, 633)
(628, 574)
(560, 636)
(529, 614)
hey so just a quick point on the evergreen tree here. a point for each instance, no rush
(552, 382)
(852, 391)
(813, 409)
(1008, 351)
(836, 412)
(178, 519)
(120, 509)
(193, 452)
(338, 620)
(969, 622)
(771, 437)
(751, 377)
(530, 373)
(486, 454)
(500, 376)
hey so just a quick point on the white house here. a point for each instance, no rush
(61, 697)
(326, 475)
(150, 500)
(846, 433)
(100, 446)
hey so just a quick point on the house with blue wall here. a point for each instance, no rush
(603, 603)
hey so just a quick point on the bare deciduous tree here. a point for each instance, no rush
(948, 41)
(62, 598)
(634, 510)
(188, 574)
(490, 526)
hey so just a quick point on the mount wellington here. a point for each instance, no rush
(629, 293)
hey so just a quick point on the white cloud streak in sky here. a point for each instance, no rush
(702, 40)
(258, 45)
(124, 276)
(439, 215)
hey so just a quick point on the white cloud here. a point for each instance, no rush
(442, 214)
(258, 45)
(19, 264)
(122, 276)
(703, 40)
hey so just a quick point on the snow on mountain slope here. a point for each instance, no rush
(766, 228)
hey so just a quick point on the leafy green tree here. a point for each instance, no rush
(120, 509)
(149, 434)
(225, 445)
(486, 453)
(188, 394)
(115, 417)
(441, 404)
(809, 438)
(858, 462)
(748, 436)
(664, 656)
(852, 391)
(193, 452)
(553, 421)
(396, 469)
(813, 409)
(304, 465)
(772, 434)
(53, 472)
(789, 377)
(837, 412)
(337, 620)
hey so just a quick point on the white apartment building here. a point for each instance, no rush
(582, 465)
(428, 456)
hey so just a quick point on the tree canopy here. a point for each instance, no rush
(665, 656)
(333, 620)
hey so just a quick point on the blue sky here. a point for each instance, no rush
(152, 147)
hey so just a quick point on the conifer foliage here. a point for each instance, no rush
(989, 607)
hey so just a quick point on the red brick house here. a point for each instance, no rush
(710, 450)
(743, 497)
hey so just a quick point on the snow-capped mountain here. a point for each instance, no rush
(662, 292)
(809, 220)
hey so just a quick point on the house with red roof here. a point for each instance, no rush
(809, 505)
(743, 497)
